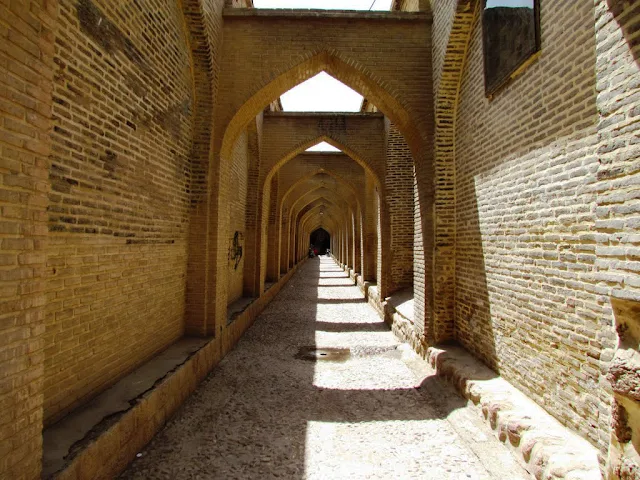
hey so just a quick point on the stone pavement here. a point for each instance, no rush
(319, 388)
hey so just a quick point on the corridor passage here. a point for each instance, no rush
(319, 388)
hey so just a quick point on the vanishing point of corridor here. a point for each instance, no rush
(319, 388)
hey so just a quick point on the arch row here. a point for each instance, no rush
(276, 237)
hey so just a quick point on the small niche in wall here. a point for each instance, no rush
(624, 377)
(511, 36)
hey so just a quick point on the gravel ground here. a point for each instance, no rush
(273, 409)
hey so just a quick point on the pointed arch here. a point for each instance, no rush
(356, 156)
(347, 71)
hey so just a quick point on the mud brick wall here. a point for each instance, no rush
(527, 285)
(118, 208)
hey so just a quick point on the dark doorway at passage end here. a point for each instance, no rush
(320, 241)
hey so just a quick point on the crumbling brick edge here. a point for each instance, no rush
(110, 453)
(544, 447)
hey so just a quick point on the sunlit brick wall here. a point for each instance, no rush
(528, 292)
(119, 203)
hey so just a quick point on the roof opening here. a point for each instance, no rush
(323, 147)
(325, 4)
(321, 93)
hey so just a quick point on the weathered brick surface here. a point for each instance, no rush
(252, 237)
(134, 146)
(204, 25)
(528, 287)
(617, 243)
(453, 23)
(236, 208)
(26, 74)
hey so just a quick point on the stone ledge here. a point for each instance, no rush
(105, 452)
(63, 440)
(398, 313)
(402, 303)
(545, 448)
(325, 14)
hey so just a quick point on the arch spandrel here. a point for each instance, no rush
(338, 208)
(360, 136)
(306, 165)
(251, 82)
(375, 168)
(318, 204)
(313, 216)
(305, 188)
(339, 194)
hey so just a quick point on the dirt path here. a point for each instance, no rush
(360, 408)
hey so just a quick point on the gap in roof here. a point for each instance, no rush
(321, 93)
(325, 4)
(323, 147)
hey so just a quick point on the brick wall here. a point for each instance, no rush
(399, 180)
(453, 21)
(443, 12)
(119, 202)
(203, 20)
(252, 238)
(26, 73)
(617, 222)
(527, 282)
(237, 212)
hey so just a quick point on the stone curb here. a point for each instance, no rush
(546, 449)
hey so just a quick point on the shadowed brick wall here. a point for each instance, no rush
(236, 208)
(528, 291)
(399, 180)
(119, 202)
(203, 20)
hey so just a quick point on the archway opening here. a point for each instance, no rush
(321, 93)
(323, 147)
(320, 241)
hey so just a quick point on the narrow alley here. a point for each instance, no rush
(320, 388)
